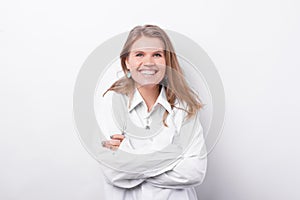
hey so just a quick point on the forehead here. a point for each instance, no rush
(147, 44)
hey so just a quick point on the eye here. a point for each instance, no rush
(157, 55)
(139, 55)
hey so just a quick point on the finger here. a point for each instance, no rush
(111, 143)
(114, 142)
(117, 137)
(109, 146)
(113, 148)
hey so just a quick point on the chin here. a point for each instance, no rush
(148, 81)
(148, 84)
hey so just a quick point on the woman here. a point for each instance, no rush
(153, 84)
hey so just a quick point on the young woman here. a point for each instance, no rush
(153, 84)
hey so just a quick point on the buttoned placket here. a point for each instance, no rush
(147, 120)
(141, 109)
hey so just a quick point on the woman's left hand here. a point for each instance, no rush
(114, 143)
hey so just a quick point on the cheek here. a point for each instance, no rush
(163, 69)
(162, 62)
(133, 63)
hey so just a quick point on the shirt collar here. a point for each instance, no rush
(135, 101)
(162, 100)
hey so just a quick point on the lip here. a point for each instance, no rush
(147, 71)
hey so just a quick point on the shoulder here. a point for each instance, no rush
(180, 109)
(111, 95)
(180, 113)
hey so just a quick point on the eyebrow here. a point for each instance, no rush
(158, 51)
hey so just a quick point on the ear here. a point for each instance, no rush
(127, 64)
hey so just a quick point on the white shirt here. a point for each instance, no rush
(175, 182)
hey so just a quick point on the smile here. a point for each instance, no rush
(148, 72)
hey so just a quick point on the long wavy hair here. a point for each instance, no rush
(174, 82)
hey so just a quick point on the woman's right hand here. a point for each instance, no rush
(114, 143)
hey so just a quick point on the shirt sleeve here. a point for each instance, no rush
(121, 179)
(188, 171)
(191, 168)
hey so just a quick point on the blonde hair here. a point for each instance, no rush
(176, 86)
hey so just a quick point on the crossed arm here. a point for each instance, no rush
(187, 171)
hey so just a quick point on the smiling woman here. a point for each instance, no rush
(155, 91)
(147, 65)
(146, 62)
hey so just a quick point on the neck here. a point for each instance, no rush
(149, 93)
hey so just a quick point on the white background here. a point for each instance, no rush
(254, 45)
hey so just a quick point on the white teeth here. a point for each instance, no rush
(148, 72)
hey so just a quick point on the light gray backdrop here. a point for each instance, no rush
(254, 45)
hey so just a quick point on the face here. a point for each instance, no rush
(146, 61)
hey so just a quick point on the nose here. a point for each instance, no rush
(148, 61)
